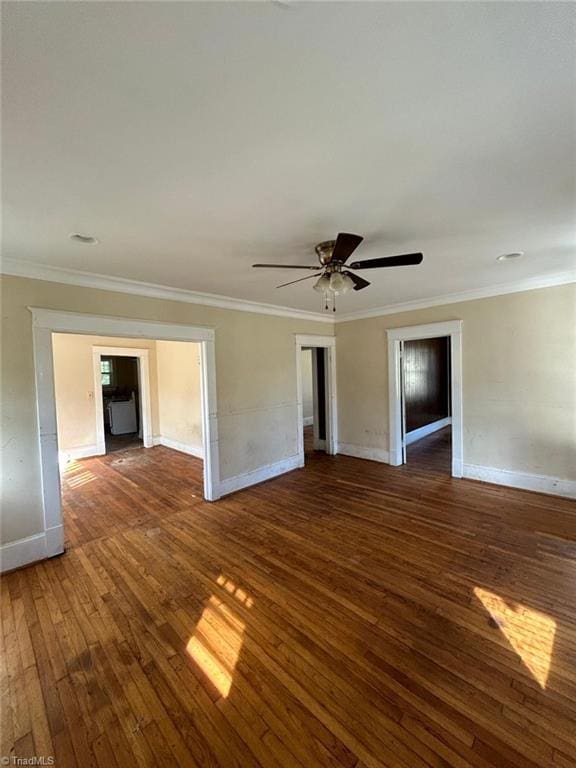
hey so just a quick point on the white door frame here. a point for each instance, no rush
(144, 394)
(45, 322)
(453, 329)
(329, 344)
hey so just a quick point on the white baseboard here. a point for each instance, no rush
(308, 421)
(82, 452)
(427, 429)
(541, 483)
(267, 472)
(191, 450)
(16, 554)
(363, 452)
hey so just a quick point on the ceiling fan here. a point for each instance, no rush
(335, 279)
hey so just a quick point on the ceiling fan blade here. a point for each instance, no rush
(345, 246)
(283, 285)
(316, 267)
(358, 281)
(389, 261)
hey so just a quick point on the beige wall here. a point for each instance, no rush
(307, 389)
(519, 379)
(179, 396)
(255, 369)
(74, 382)
(174, 370)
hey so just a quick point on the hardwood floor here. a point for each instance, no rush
(108, 494)
(347, 614)
(308, 440)
(122, 442)
(433, 453)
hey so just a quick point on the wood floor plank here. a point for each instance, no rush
(347, 615)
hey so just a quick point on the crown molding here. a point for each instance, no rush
(528, 284)
(18, 268)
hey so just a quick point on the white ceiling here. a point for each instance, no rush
(194, 139)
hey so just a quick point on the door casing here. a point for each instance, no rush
(396, 337)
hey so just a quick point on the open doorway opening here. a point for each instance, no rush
(47, 325)
(122, 391)
(129, 419)
(121, 402)
(316, 382)
(314, 400)
(425, 396)
(426, 403)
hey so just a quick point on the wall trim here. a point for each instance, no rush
(427, 429)
(500, 289)
(78, 452)
(64, 321)
(176, 445)
(364, 452)
(31, 549)
(267, 472)
(554, 486)
(19, 268)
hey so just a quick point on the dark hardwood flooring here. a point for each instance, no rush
(122, 442)
(433, 453)
(308, 440)
(347, 615)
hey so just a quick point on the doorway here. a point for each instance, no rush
(314, 401)
(122, 398)
(120, 393)
(426, 404)
(425, 396)
(45, 324)
(316, 386)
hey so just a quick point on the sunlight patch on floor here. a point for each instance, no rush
(68, 465)
(75, 473)
(83, 478)
(529, 632)
(217, 640)
(238, 592)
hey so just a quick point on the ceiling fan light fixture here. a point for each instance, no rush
(340, 283)
(322, 285)
(348, 283)
(335, 279)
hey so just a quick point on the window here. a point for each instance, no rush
(106, 371)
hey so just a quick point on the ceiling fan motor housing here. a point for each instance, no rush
(324, 251)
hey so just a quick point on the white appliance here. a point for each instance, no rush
(122, 415)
